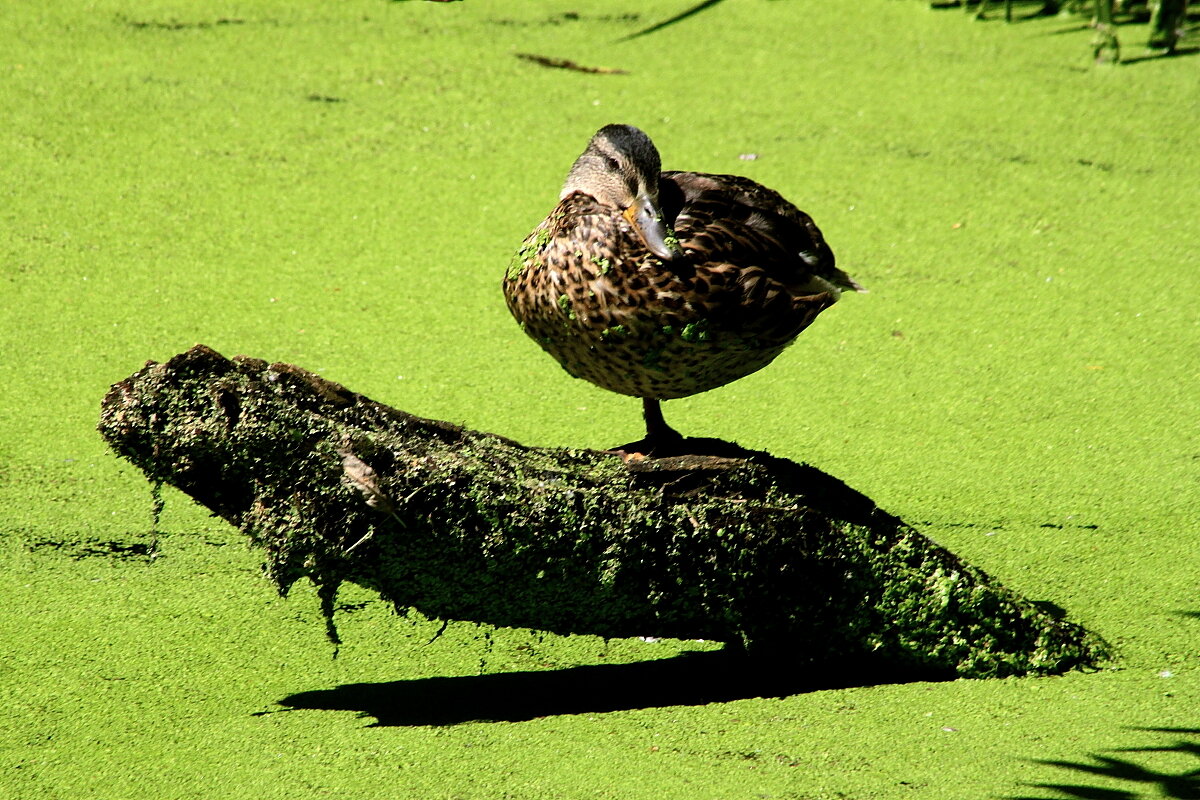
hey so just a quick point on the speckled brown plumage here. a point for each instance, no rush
(756, 272)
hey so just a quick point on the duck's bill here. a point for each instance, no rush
(647, 219)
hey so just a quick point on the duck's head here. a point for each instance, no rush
(620, 168)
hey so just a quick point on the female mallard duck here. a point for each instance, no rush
(663, 285)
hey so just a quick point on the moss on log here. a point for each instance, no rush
(740, 547)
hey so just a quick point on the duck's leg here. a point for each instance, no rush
(657, 429)
(661, 439)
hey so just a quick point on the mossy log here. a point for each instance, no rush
(741, 547)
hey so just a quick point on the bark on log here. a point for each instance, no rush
(740, 547)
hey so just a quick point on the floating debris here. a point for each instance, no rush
(565, 63)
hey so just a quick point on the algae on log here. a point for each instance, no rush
(745, 548)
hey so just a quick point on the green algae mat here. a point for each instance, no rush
(341, 186)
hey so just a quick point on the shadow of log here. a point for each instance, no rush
(689, 679)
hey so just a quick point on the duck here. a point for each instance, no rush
(662, 285)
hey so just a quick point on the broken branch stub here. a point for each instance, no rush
(744, 548)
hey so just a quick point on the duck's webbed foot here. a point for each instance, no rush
(661, 439)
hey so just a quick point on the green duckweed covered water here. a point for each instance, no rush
(342, 186)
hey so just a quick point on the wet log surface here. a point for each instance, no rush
(762, 553)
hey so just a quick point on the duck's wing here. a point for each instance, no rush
(728, 218)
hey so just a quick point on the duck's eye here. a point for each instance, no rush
(612, 164)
